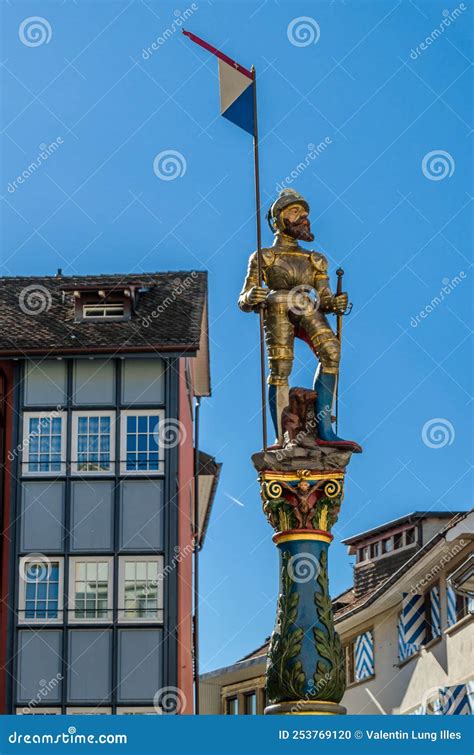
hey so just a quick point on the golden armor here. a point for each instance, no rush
(297, 298)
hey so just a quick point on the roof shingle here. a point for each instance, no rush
(168, 314)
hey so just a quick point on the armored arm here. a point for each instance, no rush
(252, 293)
(328, 302)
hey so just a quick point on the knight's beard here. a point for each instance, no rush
(300, 230)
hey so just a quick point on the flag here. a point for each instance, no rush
(236, 85)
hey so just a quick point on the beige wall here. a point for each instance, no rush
(365, 697)
(209, 698)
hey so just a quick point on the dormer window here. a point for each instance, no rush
(104, 304)
(386, 545)
(102, 311)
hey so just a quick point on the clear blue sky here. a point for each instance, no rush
(96, 205)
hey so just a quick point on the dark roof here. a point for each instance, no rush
(415, 516)
(168, 314)
(207, 465)
(368, 598)
(262, 650)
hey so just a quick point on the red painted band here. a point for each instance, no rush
(218, 54)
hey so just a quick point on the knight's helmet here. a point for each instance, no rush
(285, 198)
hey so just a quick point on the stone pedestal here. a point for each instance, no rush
(305, 667)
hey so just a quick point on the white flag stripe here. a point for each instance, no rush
(232, 84)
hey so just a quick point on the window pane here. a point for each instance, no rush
(251, 704)
(91, 595)
(42, 590)
(387, 545)
(398, 540)
(141, 443)
(44, 438)
(34, 425)
(56, 425)
(93, 444)
(232, 706)
(140, 590)
(410, 536)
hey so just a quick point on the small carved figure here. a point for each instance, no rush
(303, 500)
(297, 419)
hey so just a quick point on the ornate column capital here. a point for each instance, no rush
(301, 500)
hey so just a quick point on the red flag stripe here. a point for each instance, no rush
(218, 54)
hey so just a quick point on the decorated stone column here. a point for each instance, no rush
(305, 671)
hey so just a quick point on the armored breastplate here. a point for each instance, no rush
(289, 269)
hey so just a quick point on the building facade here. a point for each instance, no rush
(97, 388)
(406, 624)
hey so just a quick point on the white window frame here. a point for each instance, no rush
(89, 711)
(74, 442)
(123, 443)
(139, 711)
(103, 311)
(22, 590)
(25, 711)
(379, 542)
(73, 560)
(26, 445)
(123, 619)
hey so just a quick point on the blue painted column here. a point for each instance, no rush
(305, 667)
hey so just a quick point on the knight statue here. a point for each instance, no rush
(296, 297)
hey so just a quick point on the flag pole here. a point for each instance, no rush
(259, 260)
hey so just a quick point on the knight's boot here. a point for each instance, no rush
(277, 401)
(324, 386)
